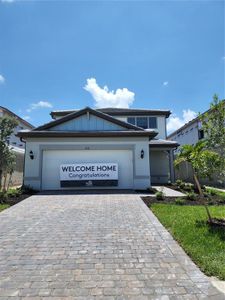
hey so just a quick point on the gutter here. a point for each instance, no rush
(62, 134)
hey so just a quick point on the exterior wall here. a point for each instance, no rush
(161, 124)
(159, 166)
(33, 168)
(188, 135)
(87, 122)
(161, 120)
(13, 139)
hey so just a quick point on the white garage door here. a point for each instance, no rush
(52, 159)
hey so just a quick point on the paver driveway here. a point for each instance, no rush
(93, 247)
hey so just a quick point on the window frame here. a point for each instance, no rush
(131, 118)
(156, 119)
(148, 121)
(142, 117)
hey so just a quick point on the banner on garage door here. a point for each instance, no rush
(89, 174)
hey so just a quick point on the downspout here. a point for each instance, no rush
(24, 160)
(172, 171)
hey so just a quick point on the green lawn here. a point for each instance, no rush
(3, 206)
(206, 246)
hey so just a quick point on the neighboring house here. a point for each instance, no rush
(99, 148)
(14, 141)
(16, 144)
(190, 133)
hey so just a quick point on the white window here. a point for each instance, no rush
(143, 122)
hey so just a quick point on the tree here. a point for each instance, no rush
(7, 158)
(213, 125)
(203, 162)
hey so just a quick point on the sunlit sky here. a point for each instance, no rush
(141, 54)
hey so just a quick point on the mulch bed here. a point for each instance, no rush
(217, 222)
(214, 200)
(14, 200)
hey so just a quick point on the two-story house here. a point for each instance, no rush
(14, 141)
(190, 133)
(99, 148)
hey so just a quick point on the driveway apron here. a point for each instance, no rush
(95, 246)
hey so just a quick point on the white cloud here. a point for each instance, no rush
(2, 79)
(26, 118)
(105, 98)
(175, 122)
(40, 104)
(165, 83)
(223, 58)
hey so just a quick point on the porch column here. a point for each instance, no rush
(171, 166)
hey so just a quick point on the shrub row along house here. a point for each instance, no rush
(99, 148)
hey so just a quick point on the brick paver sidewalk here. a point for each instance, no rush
(93, 247)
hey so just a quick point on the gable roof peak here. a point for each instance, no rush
(99, 114)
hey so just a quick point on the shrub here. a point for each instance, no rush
(26, 189)
(191, 196)
(212, 192)
(151, 190)
(206, 194)
(159, 195)
(180, 183)
(13, 193)
(189, 187)
(3, 197)
(180, 201)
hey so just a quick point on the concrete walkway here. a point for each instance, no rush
(168, 192)
(86, 247)
(215, 188)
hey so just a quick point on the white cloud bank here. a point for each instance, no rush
(105, 98)
(175, 122)
(40, 104)
(2, 79)
(165, 83)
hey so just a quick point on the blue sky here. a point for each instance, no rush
(150, 54)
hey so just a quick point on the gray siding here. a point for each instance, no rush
(87, 123)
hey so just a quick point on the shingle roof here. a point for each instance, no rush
(163, 143)
(118, 111)
(16, 116)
